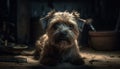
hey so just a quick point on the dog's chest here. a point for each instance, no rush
(66, 56)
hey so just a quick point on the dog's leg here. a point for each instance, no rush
(76, 58)
(49, 57)
(36, 55)
(39, 44)
(49, 61)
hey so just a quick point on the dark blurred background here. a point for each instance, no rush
(19, 19)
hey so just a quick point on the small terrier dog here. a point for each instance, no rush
(59, 43)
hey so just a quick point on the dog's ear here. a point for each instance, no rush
(50, 14)
(82, 22)
(89, 20)
(44, 20)
(76, 14)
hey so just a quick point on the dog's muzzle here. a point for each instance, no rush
(62, 36)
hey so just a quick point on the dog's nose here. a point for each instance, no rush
(63, 33)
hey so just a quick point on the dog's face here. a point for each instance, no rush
(62, 28)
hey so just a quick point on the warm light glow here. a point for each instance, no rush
(100, 58)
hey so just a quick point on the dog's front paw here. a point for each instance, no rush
(78, 61)
(48, 62)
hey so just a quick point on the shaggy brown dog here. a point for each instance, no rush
(59, 43)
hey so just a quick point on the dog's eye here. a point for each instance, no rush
(71, 26)
(55, 26)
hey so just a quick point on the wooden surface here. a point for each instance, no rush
(93, 60)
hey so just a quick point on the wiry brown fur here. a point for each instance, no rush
(50, 53)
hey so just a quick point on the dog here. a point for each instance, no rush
(60, 42)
